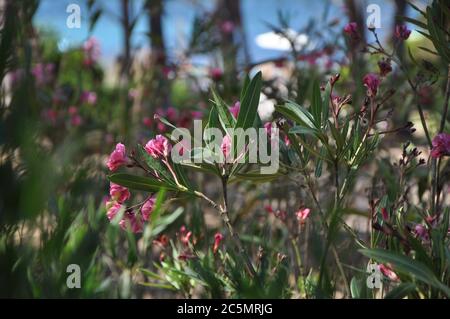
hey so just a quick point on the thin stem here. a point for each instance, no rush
(226, 219)
(298, 259)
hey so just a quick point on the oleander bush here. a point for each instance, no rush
(103, 175)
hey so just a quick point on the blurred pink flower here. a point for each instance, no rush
(158, 147)
(218, 237)
(226, 146)
(402, 32)
(196, 115)
(441, 145)
(88, 97)
(50, 115)
(148, 207)
(302, 215)
(388, 272)
(112, 209)
(216, 74)
(385, 67)
(371, 82)
(76, 120)
(384, 213)
(351, 29)
(43, 73)
(227, 26)
(131, 221)
(185, 235)
(117, 158)
(91, 50)
(171, 114)
(118, 192)
(147, 121)
(72, 110)
(235, 109)
(421, 232)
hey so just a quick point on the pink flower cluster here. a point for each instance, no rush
(88, 97)
(91, 50)
(159, 147)
(371, 82)
(402, 32)
(117, 158)
(43, 73)
(351, 29)
(441, 145)
(130, 220)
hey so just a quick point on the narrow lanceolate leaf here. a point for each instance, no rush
(401, 291)
(255, 177)
(156, 165)
(245, 87)
(249, 104)
(294, 112)
(316, 104)
(407, 266)
(226, 118)
(140, 183)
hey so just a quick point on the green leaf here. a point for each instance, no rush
(407, 266)
(316, 104)
(226, 118)
(140, 183)
(298, 129)
(155, 165)
(255, 177)
(249, 104)
(296, 113)
(358, 287)
(401, 291)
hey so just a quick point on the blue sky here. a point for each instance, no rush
(179, 15)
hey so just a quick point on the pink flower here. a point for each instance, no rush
(76, 120)
(226, 146)
(88, 97)
(235, 109)
(131, 221)
(441, 145)
(196, 115)
(388, 272)
(148, 207)
(171, 114)
(158, 147)
(352, 30)
(43, 73)
(371, 82)
(50, 115)
(402, 32)
(186, 255)
(91, 50)
(385, 213)
(216, 74)
(268, 209)
(287, 141)
(302, 215)
(147, 121)
(113, 208)
(162, 241)
(72, 110)
(421, 232)
(117, 158)
(218, 237)
(385, 67)
(227, 26)
(185, 235)
(118, 192)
